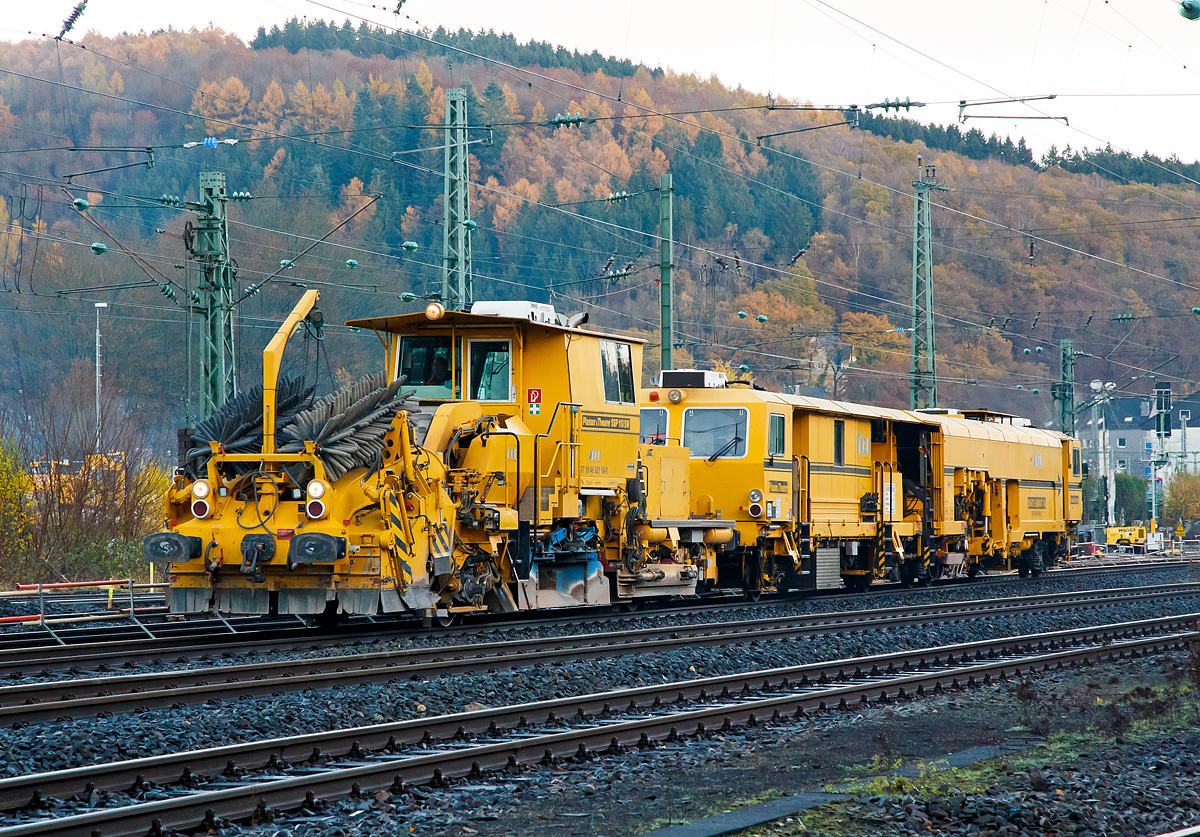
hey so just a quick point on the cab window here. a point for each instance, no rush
(490, 367)
(654, 426)
(775, 435)
(839, 442)
(716, 432)
(1075, 461)
(616, 367)
(427, 364)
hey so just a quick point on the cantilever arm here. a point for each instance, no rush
(273, 360)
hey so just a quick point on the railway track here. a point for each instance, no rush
(255, 778)
(53, 700)
(28, 651)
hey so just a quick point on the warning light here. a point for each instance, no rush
(434, 311)
(654, 395)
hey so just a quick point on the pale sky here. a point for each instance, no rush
(1125, 71)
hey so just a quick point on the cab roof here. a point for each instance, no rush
(410, 323)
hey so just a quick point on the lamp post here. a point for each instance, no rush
(1103, 392)
(99, 305)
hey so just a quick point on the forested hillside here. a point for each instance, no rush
(811, 230)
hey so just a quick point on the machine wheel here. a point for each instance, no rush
(449, 620)
(857, 583)
(329, 617)
(1036, 560)
(973, 570)
(631, 606)
(752, 595)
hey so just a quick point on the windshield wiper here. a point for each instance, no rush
(728, 446)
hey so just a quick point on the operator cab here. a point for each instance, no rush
(434, 366)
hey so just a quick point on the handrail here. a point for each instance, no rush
(804, 507)
(58, 585)
(891, 471)
(558, 446)
(537, 482)
(504, 432)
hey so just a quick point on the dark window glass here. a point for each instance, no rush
(616, 368)
(654, 426)
(839, 442)
(426, 364)
(491, 370)
(775, 438)
(716, 431)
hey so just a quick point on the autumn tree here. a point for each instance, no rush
(221, 104)
(16, 489)
(1183, 498)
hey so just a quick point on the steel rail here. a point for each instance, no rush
(53, 700)
(816, 686)
(17, 649)
(77, 660)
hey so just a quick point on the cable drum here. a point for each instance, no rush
(348, 426)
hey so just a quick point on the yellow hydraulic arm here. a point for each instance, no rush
(273, 359)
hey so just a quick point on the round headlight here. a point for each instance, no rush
(201, 489)
(755, 496)
(315, 509)
(200, 508)
(434, 311)
(316, 489)
(675, 396)
(755, 509)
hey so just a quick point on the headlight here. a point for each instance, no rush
(756, 496)
(317, 489)
(675, 396)
(434, 311)
(315, 509)
(200, 508)
(201, 489)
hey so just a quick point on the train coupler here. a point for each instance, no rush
(256, 550)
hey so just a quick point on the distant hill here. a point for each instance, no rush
(811, 230)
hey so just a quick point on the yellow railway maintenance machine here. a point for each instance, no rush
(496, 465)
(822, 492)
(1012, 496)
(813, 487)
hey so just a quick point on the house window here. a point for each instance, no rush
(1120, 441)
(839, 442)
(1121, 464)
(775, 437)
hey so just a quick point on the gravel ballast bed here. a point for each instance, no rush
(735, 612)
(1146, 787)
(41, 747)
